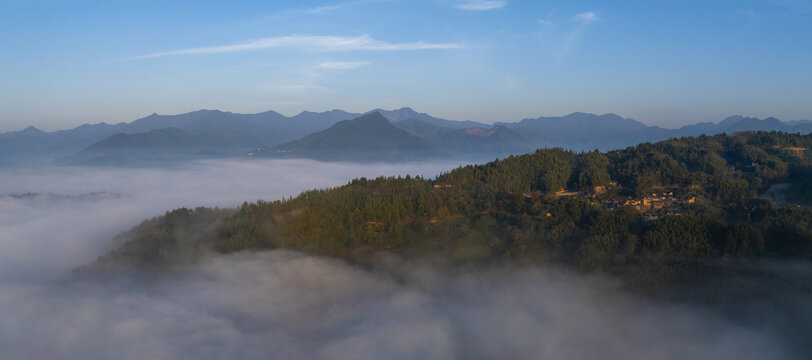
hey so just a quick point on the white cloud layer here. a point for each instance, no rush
(48, 234)
(481, 5)
(308, 42)
(280, 304)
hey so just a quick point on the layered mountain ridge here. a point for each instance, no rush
(233, 134)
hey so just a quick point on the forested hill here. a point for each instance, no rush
(663, 207)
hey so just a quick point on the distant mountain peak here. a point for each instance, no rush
(584, 115)
(368, 133)
(28, 131)
(731, 120)
(404, 113)
(333, 111)
(407, 109)
(32, 129)
(612, 115)
(402, 109)
(372, 119)
(580, 125)
(742, 123)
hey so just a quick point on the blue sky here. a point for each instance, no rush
(667, 63)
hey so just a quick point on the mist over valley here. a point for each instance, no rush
(293, 305)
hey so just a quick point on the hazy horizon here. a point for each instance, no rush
(392, 109)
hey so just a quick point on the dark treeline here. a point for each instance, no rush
(749, 194)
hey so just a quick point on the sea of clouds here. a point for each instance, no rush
(288, 305)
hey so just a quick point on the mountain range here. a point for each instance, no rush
(582, 131)
(232, 133)
(374, 135)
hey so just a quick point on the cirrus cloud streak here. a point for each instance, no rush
(481, 5)
(307, 42)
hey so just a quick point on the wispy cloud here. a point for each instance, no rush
(326, 8)
(547, 20)
(305, 11)
(342, 65)
(586, 17)
(481, 5)
(307, 42)
(573, 39)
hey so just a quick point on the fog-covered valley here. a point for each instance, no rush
(282, 304)
(56, 218)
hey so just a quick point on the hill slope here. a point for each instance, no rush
(161, 145)
(169, 138)
(668, 208)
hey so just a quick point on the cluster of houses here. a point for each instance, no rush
(656, 201)
(797, 151)
(259, 150)
(654, 206)
(263, 150)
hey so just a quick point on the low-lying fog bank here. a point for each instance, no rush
(54, 219)
(281, 304)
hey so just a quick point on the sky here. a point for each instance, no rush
(668, 63)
